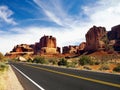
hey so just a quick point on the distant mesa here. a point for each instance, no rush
(97, 39)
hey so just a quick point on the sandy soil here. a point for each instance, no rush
(11, 81)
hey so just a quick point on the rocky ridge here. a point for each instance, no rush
(97, 39)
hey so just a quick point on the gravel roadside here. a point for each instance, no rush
(11, 80)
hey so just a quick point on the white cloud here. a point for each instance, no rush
(5, 15)
(55, 11)
(30, 35)
(102, 13)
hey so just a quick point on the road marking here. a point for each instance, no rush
(29, 78)
(75, 76)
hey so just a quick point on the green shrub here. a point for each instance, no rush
(71, 64)
(39, 59)
(29, 60)
(117, 69)
(52, 61)
(104, 67)
(1, 57)
(87, 68)
(97, 63)
(62, 62)
(3, 66)
(84, 60)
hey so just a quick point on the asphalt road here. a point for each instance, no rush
(53, 78)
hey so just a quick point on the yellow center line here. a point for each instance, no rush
(75, 76)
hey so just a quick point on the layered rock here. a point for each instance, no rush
(74, 49)
(95, 39)
(47, 45)
(82, 46)
(21, 49)
(70, 49)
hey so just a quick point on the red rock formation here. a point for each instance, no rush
(21, 49)
(114, 35)
(81, 49)
(58, 50)
(74, 49)
(82, 46)
(37, 48)
(117, 46)
(48, 41)
(94, 38)
(47, 45)
(70, 49)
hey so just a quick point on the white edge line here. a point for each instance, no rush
(29, 78)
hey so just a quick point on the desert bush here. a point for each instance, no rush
(117, 69)
(84, 60)
(104, 67)
(1, 57)
(29, 60)
(62, 62)
(97, 63)
(52, 61)
(87, 68)
(39, 59)
(3, 66)
(72, 64)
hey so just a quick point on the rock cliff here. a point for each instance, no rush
(114, 35)
(20, 50)
(46, 45)
(70, 49)
(95, 39)
(74, 49)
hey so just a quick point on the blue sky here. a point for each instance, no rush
(25, 21)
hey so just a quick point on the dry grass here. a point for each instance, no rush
(2, 80)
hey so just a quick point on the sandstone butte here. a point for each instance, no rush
(97, 39)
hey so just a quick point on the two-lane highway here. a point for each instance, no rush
(53, 78)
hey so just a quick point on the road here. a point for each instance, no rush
(53, 78)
